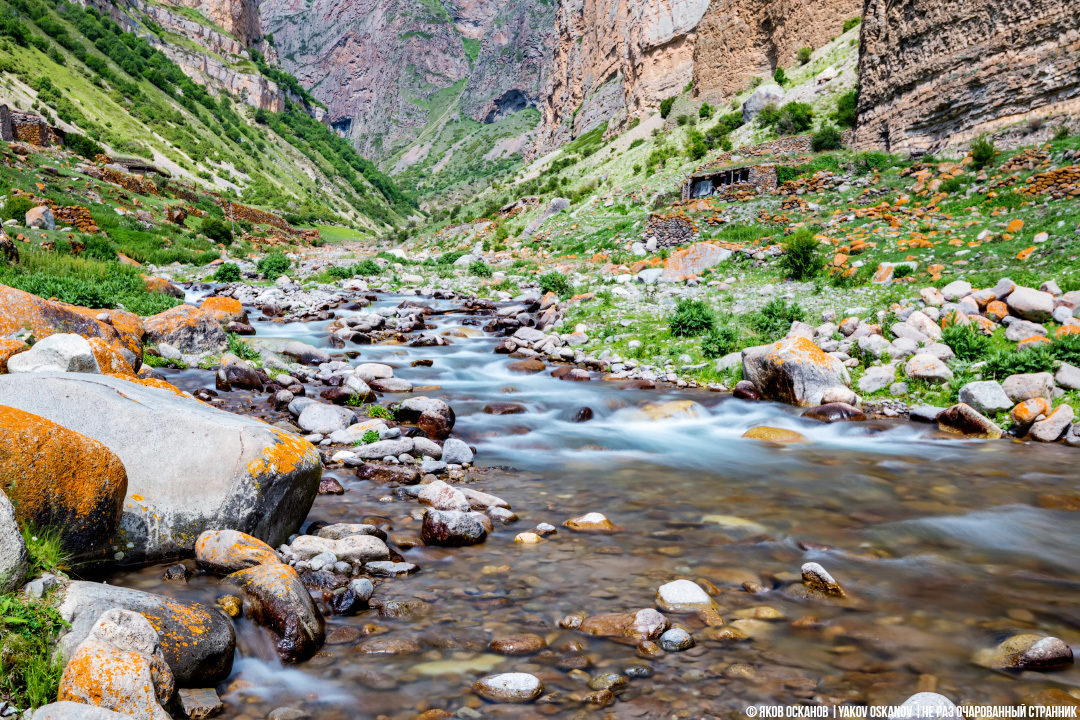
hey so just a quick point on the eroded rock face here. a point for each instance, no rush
(793, 370)
(61, 480)
(275, 597)
(196, 641)
(190, 467)
(937, 73)
(188, 329)
(120, 666)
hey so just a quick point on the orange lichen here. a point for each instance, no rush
(1067, 330)
(8, 348)
(224, 309)
(284, 456)
(1015, 226)
(153, 383)
(997, 310)
(162, 286)
(1025, 253)
(109, 358)
(1027, 412)
(1032, 342)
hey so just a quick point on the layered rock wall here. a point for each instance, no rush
(237, 17)
(934, 73)
(741, 39)
(614, 60)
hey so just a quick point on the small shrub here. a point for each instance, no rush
(1067, 349)
(966, 341)
(273, 265)
(227, 273)
(216, 230)
(29, 670)
(1003, 363)
(366, 268)
(45, 552)
(99, 248)
(705, 111)
(242, 350)
(774, 319)
(369, 437)
(340, 272)
(804, 54)
(480, 269)
(1062, 132)
(983, 152)
(826, 138)
(691, 318)
(801, 259)
(682, 120)
(902, 271)
(556, 283)
(16, 207)
(637, 143)
(378, 411)
(82, 145)
(665, 107)
(844, 115)
(695, 145)
(851, 22)
(720, 340)
(779, 76)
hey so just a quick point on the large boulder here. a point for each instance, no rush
(120, 666)
(963, 420)
(13, 557)
(190, 467)
(58, 478)
(761, 97)
(228, 551)
(435, 417)
(188, 329)
(61, 352)
(19, 310)
(224, 309)
(793, 370)
(1030, 304)
(41, 218)
(275, 597)
(197, 641)
(986, 396)
(75, 711)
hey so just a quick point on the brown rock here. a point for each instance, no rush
(835, 412)
(402, 474)
(274, 597)
(745, 390)
(531, 365)
(523, 644)
(775, 435)
(226, 551)
(964, 420)
(504, 409)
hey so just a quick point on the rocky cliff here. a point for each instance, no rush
(741, 39)
(939, 72)
(615, 59)
(237, 17)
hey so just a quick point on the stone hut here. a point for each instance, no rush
(724, 181)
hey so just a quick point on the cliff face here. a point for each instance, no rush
(613, 59)
(386, 68)
(741, 39)
(940, 72)
(238, 17)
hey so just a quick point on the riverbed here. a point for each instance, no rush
(945, 547)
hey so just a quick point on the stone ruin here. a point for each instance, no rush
(17, 126)
(761, 178)
(670, 230)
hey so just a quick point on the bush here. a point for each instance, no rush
(779, 76)
(826, 138)
(556, 283)
(1003, 363)
(1067, 349)
(29, 671)
(665, 107)
(705, 111)
(16, 207)
(378, 411)
(774, 319)
(983, 152)
(844, 115)
(100, 249)
(682, 120)
(367, 267)
(1062, 132)
(479, 268)
(691, 318)
(791, 119)
(902, 271)
(966, 341)
(720, 340)
(273, 265)
(216, 230)
(227, 273)
(768, 116)
(637, 143)
(82, 145)
(804, 55)
(340, 272)
(695, 145)
(851, 22)
(801, 259)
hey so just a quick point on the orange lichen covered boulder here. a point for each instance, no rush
(162, 286)
(693, 260)
(1025, 414)
(227, 551)
(61, 480)
(20, 310)
(197, 641)
(793, 370)
(120, 667)
(8, 348)
(151, 382)
(110, 360)
(225, 310)
(190, 467)
(188, 329)
(275, 598)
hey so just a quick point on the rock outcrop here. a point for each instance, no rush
(615, 60)
(190, 467)
(238, 17)
(741, 39)
(933, 74)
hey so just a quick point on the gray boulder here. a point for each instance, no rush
(793, 370)
(929, 368)
(61, 352)
(456, 452)
(75, 711)
(1031, 304)
(986, 396)
(1022, 329)
(323, 418)
(556, 206)
(384, 448)
(191, 467)
(1026, 386)
(759, 99)
(877, 377)
(13, 557)
(197, 641)
(304, 353)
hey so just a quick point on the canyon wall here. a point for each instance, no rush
(238, 17)
(938, 72)
(613, 60)
(741, 39)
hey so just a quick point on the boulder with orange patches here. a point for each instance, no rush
(110, 360)
(8, 348)
(793, 370)
(275, 598)
(693, 260)
(190, 467)
(120, 667)
(188, 329)
(61, 480)
(162, 286)
(224, 309)
(228, 551)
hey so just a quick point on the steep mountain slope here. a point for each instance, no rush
(206, 119)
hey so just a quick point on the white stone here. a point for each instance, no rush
(682, 596)
(61, 352)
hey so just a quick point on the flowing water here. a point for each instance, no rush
(946, 547)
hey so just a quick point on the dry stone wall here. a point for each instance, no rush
(935, 73)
